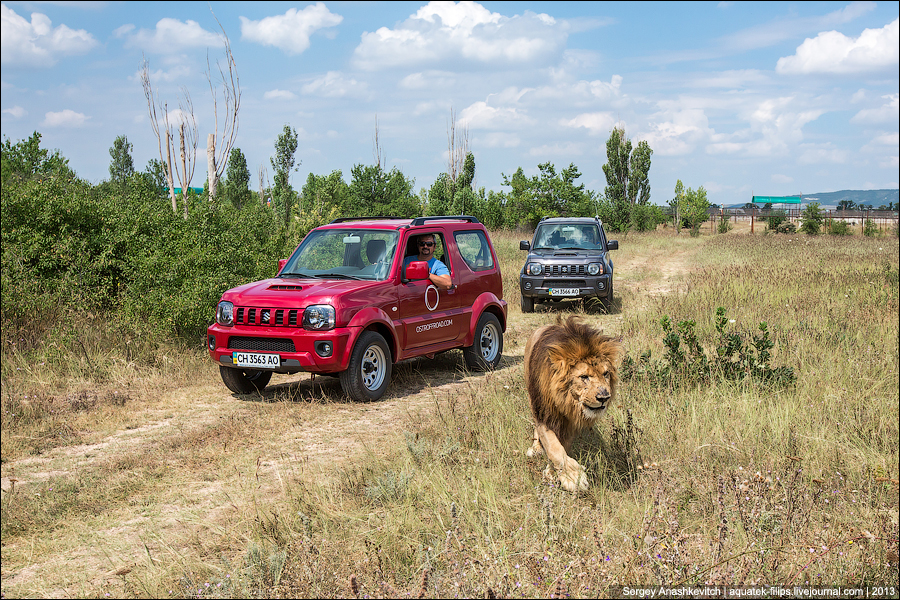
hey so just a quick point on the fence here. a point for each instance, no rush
(885, 220)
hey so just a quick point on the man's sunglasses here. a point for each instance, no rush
(426, 244)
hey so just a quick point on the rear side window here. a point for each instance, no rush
(475, 250)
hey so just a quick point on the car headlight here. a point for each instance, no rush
(225, 313)
(595, 269)
(534, 269)
(318, 317)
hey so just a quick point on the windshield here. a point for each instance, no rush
(344, 254)
(561, 235)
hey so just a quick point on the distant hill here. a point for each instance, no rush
(875, 198)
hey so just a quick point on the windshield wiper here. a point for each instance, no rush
(338, 275)
(293, 275)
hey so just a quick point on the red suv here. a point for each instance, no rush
(349, 302)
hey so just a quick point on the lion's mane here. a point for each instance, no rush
(549, 358)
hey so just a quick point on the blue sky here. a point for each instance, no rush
(742, 98)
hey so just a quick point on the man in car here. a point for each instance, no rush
(438, 273)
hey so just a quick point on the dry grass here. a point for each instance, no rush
(183, 490)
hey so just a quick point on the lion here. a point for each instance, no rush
(571, 371)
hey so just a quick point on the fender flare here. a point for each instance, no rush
(484, 302)
(374, 319)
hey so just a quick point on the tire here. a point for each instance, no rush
(608, 301)
(369, 373)
(527, 304)
(245, 381)
(487, 349)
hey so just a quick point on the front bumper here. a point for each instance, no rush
(540, 288)
(297, 348)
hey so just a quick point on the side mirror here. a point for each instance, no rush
(416, 270)
(612, 244)
(524, 245)
(281, 263)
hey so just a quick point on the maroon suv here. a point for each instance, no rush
(344, 303)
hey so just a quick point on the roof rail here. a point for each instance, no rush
(423, 220)
(343, 219)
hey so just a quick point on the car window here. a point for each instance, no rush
(475, 250)
(412, 248)
(344, 253)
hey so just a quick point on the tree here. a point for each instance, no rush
(231, 95)
(323, 193)
(121, 168)
(627, 172)
(237, 181)
(376, 192)
(846, 205)
(811, 219)
(283, 163)
(26, 159)
(165, 128)
(549, 194)
(691, 208)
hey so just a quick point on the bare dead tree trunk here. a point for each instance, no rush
(187, 137)
(169, 172)
(377, 150)
(184, 188)
(231, 93)
(263, 184)
(457, 148)
(211, 164)
(154, 124)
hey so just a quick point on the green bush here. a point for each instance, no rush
(870, 229)
(838, 227)
(811, 219)
(69, 246)
(724, 225)
(775, 220)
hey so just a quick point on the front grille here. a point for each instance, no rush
(565, 283)
(267, 317)
(565, 270)
(261, 344)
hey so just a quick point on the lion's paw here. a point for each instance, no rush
(574, 478)
(535, 451)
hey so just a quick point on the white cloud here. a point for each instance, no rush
(279, 95)
(463, 32)
(16, 111)
(833, 52)
(597, 123)
(289, 32)
(64, 118)
(172, 36)
(775, 127)
(566, 149)
(887, 139)
(177, 72)
(334, 85)
(814, 154)
(889, 111)
(38, 43)
(431, 80)
(497, 139)
(677, 130)
(779, 178)
(481, 116)
(730, 79)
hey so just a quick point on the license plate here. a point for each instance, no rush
(564, 291)
(254, 360)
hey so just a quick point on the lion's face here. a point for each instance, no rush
(591, 387)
